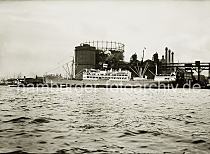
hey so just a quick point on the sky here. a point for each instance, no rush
(39, 36)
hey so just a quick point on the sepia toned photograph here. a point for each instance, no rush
(104, 76)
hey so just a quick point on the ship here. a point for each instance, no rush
(165, 77)
(103, 79)
(111, 75)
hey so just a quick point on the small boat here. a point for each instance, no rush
(165, 77)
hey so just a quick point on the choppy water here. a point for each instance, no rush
(104, 120)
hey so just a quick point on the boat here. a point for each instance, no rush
(165, 77)
(112, 75)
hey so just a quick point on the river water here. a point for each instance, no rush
(85, 120)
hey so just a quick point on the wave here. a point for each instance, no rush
(19, 120)
(16, 152)
(41, 120)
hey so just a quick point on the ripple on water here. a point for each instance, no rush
(198, 141)
(133, 133)
(18, 120)
(40, 120)
(15, 152)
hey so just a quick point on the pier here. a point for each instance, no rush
(188, 70)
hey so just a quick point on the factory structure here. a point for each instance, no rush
(161, 64)
(93, 59)
(104, 60)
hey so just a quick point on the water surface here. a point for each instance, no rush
(82, 120)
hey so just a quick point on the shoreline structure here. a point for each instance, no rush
(101, 64)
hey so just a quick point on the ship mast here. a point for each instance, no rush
(72, 68)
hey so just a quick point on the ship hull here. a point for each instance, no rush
(59, 82)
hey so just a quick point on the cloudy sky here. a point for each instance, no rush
(37, 36)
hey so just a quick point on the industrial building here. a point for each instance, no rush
(162, 63)
(85, 58)
(109, 55)
(104, 56)
(97, 55)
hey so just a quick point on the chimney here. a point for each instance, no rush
(169, 56)
(166, 54)
(163, 58)
(172, 57)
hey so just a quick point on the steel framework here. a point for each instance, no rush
(197, 66)
(106, 45)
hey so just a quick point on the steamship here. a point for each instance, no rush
(112, 75)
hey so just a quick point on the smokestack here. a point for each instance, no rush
(169, 56)
(166, 54)
(172, 57)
